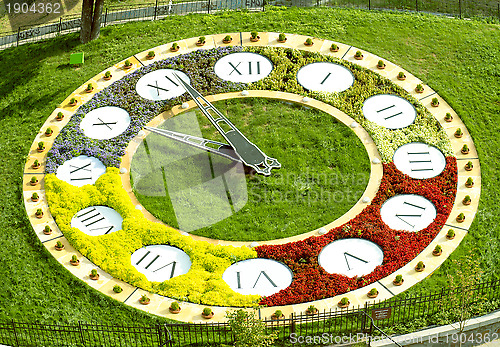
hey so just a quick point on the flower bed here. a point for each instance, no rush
(312, 282)
(203, 283)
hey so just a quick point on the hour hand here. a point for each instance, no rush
(249, 153)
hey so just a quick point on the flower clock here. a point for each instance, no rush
(134, 168)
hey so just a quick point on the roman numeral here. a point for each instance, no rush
(155, 258)
(158, 88)
(92, 217)
(266, 276)
(388, 108)
(324, 79)
(352, 256)
(77, 169)
(400, 216)
(420, 157)
(105, 123)
(251, 70)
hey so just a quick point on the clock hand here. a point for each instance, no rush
(248, 152)
(222, 149)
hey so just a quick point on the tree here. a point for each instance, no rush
(468, 274)
(249, 331)
(91, 20)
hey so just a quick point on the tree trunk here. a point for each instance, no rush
(91, 20)
(96, 20)
(86, 25)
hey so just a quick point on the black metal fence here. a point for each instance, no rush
(327, 326)
(158, 10)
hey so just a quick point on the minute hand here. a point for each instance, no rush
(249, 153)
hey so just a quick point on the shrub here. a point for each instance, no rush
(128, 63)
(465, 148)
(144, 298)
(420, 265)
(458, 131)
(117, 288)
(467, 198)
(227, 38)
(334, 46)
(309, 41)
(74, 258)
(373, 291)
(254, 34)
(175, 45)
(60, 114)
(34, 196)
(437, 249)
(41, 145)
(248, 331)
(419, 88)
(207, 311)
(281, 37)
(435, 101)
(358, 54)
(399, 278)
(36, 162)
(90, 86)
(48, 131)
(33, 179)
(469, 165)
(344, 301)
(470, 181)
(59, 244)
(202, 39)
(174, 306)
(72, 101)
(380, 63)
(39, 212)
(93, 272)
(107, 74)
(401, 74)
(461, 216)
(151, 54)
(46, 229)
(311, 309)
(278, 313)
(450, 233)
(448, 116)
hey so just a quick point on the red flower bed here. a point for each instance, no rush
(312, 282)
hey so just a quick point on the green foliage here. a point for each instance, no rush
(465, 148)
(34, 195)
(48, 131)
(227, 38)
(469, 181)
(344, 301)
(107, 74)
(281, 37)
(248, 331)
(334, 46)
(41, 145)
(117, 289)
(399, 278)
(128, 63)
(90, 86)
(401, 74)
(93, 272)
(74, 258)
(151, 54)
(59, 244)
(33, 179)
(358, 54)
(373, 291)
(309, 41)
(420, 265)
(207, 311)
(39, 212)
(174, 306)
(381, 63)
(175, 45)
(450, 233)
(278, 313)
(254, 34)
(202, 39)
(437, 249)
(46, 228)
(458, 131)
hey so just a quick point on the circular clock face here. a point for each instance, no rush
(147, 131)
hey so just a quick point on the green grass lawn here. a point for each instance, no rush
(459, 59)
(324, 170)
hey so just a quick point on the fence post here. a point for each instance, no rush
(499, 10)
(208, 6)
(106, 17)
(292, 324)
(460, 8)
(369, 4)
(416, 5)
(14, 328)
(80, 330)
(60, 25)
(18, 34)
(156, 9)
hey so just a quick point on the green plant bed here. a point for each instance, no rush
(325, 169)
